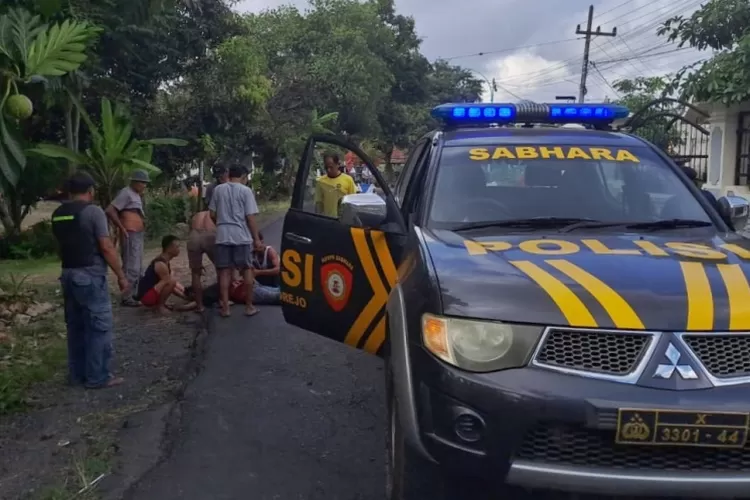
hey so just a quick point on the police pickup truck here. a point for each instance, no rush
(557, 308)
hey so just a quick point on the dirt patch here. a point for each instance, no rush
(75, 443)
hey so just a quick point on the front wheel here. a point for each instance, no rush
(408, 475)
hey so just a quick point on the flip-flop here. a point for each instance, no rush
(253, 313)
(224, 314)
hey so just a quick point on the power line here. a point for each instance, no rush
(657, 54)
(566, 63)
(593, 65)
(654, 17)
(511, 49)
(613, 8)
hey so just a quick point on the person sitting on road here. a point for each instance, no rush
(157, 283)
(267, 271)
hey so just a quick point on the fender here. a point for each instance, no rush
(403, 387)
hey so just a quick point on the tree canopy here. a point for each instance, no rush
(249, 86)
(724, 26)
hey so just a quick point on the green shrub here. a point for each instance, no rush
(267, 185)
(37, 241)
(164, 212)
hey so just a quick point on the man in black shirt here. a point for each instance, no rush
(86, 250)
(221, 175)
(157, 283)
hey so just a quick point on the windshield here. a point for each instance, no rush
(601, 183)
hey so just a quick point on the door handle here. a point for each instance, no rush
(299, 239)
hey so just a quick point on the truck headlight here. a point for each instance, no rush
(480, 346)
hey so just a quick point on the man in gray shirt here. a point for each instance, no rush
(86, 250)
(233, 208)
(127, 213)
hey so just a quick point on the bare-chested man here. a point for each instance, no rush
(202, 240)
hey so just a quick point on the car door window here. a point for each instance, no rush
(403, 181)
(334, 173)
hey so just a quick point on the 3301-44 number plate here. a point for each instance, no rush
(682, 428)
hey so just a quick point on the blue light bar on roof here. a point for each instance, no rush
(473, 114)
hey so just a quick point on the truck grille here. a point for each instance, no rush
(724, 356)
(575, 446)
(608, 353)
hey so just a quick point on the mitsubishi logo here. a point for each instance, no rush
(666, 371)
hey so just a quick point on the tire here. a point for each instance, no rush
(409, 476)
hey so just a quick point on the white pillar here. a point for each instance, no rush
(722, 152)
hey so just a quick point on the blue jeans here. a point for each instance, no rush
(88, 317)
(266, 295)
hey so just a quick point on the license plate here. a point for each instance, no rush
(682, 428)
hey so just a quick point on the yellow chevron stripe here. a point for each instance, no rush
(738, 292)
(623, 316)
(700, 301)
(377, 337)
(574, 310)
(384, 256)
(380, 296)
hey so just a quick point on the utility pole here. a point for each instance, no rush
(587, 47)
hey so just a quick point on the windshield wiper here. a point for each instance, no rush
(534, 222)
(668, 224)
(584, 224)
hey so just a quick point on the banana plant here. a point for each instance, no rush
(114, 152)
(31, 50)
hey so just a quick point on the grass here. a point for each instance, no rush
(269, 210)
(30, 267)
(30, 354)
(45, 271)
(81, 478)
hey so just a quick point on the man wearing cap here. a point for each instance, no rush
(126, 212)
(85, 251)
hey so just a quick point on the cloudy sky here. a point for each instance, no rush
(530, 46)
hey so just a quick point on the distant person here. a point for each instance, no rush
(86, 250)
(332, 187)
(221, 175)
(267, 271)
(157, 283)
(233, 209)
(201, 241)
(126, 212)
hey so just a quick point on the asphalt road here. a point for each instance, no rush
(276, 413)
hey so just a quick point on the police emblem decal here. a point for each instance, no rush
(337, 284)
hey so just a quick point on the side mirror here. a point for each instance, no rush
(363, 210)
(735, 209)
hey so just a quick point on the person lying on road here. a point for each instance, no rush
(157, 283)
(237, 291)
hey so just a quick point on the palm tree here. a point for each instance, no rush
(114, 153)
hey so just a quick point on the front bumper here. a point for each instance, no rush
(543, 429)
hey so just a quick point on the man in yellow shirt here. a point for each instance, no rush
(332, 187)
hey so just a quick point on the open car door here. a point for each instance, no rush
(340, 251)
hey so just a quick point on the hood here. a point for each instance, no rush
(633, 281)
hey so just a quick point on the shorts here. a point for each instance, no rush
(199, 243)
(236, 256)
(150, 298)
